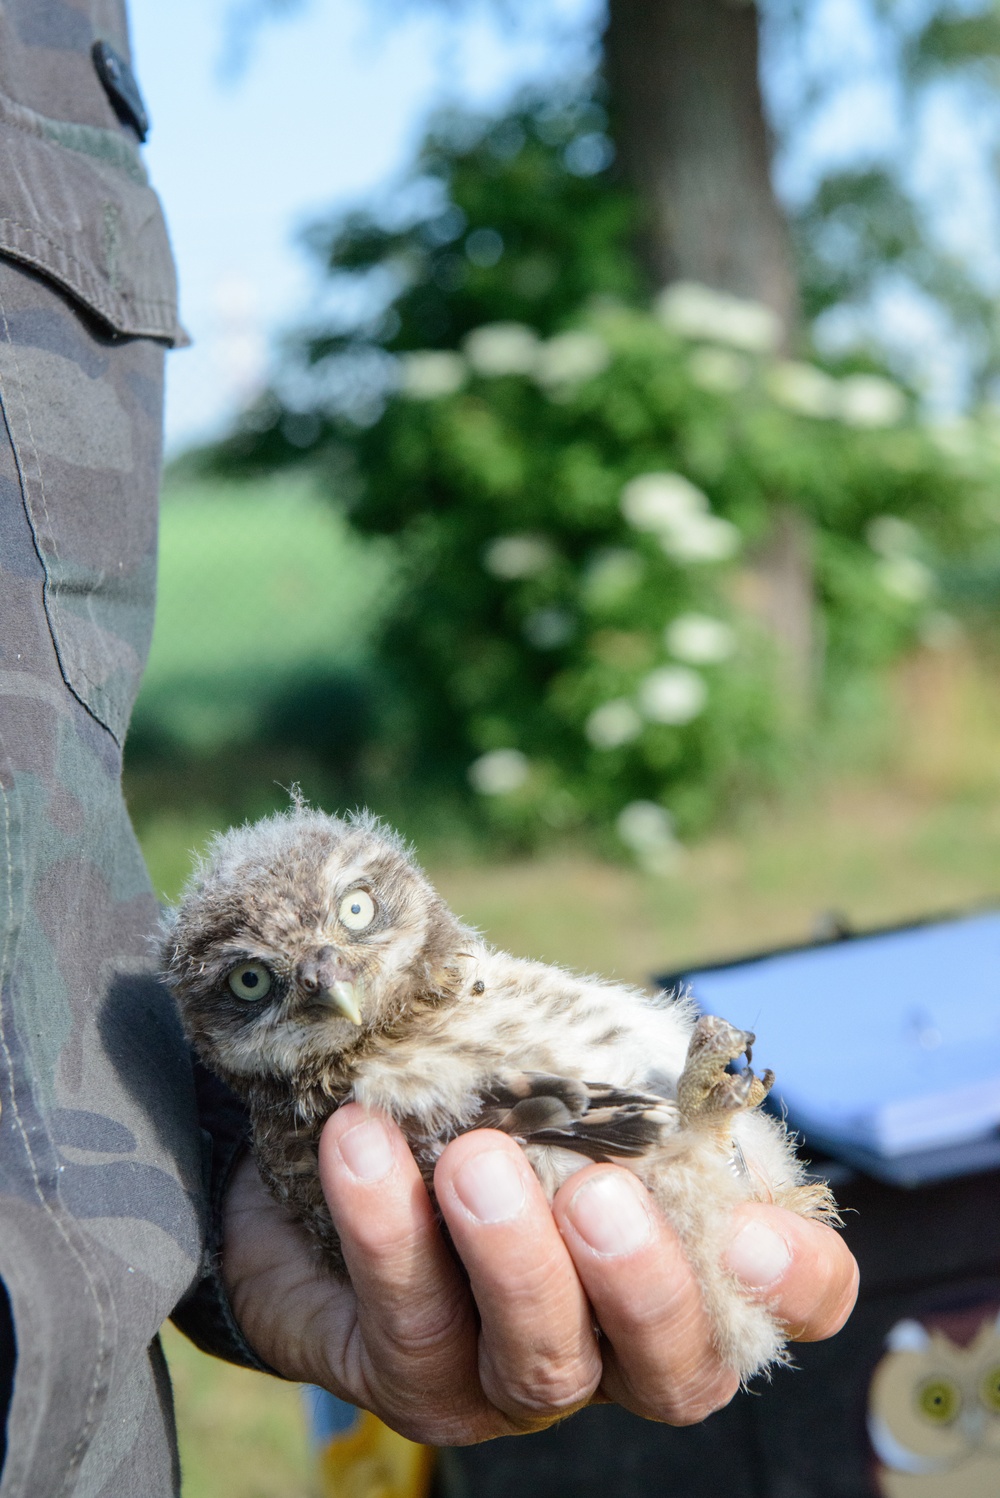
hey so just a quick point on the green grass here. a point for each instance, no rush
(257, 583)
(241, 1435)
(922, 836)
(261, 575)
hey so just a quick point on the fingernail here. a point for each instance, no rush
(609, 1216)
(366, 1151)
(758, 1256)
(491, 1187)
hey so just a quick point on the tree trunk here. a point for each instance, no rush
(693, 141)
(694, 144)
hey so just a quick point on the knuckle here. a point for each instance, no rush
(416, 1333)
(534, 1284)
(694, 1406)
(542, 1393)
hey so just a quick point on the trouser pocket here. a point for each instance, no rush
(83, 414)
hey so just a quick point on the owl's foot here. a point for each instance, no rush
(706, 1092)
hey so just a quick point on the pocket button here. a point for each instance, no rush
(121, 88)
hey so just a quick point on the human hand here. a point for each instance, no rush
(448, 1359)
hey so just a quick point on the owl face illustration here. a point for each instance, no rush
(934, 1407)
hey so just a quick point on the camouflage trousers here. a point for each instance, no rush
(101, 1158)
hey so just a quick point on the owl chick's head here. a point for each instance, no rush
(299, 937)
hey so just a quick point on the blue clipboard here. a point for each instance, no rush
(886, 1046)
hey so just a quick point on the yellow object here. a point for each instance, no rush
(371, 1461)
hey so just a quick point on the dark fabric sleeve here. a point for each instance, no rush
(205, 1315)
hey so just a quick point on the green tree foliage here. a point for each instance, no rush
(860, 228)
(513, 218)
(885, 221)
(578, 483)
(527, 226)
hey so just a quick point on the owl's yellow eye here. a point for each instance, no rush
(251, 980)
(939, 1400)
(989, 1390)
(357, 910)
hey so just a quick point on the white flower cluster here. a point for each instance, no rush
(678, 514)
(719, 370)
(668, 694)
(699, 640)
(613, 724)
(430, 373)
(647, 830)
(499, 772)
(570, 358)
(892, 537)
(870, 401)
(906, 578)
(899, 569)
(857, 400)
(803, 388)
(558, 363)
(502, 348)
(672, 694)
(697, 312)
(512, 557)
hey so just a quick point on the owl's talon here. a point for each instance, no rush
(731, 1092)
(705, 1088)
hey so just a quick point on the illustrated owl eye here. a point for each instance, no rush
(939, 1400)
(989, 1389)
(357, 910)
(251, 980)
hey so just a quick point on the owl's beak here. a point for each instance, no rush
(328, 982)
(342, 996)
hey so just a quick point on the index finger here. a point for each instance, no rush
(415, 1352)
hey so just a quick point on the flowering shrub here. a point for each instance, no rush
(585, 482)
(579, 519)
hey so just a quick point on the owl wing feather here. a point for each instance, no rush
(594, 1119)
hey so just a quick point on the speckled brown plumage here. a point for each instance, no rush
(314, 963)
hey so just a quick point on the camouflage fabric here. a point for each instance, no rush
(104, 1171)
(74, 198)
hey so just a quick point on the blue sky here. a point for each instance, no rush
(328, 107)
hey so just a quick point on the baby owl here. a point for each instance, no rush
(314, 964)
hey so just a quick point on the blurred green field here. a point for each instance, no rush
(259, 584)
(246, 592)
(264, 574)
(923, 835)
(241, 1435)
